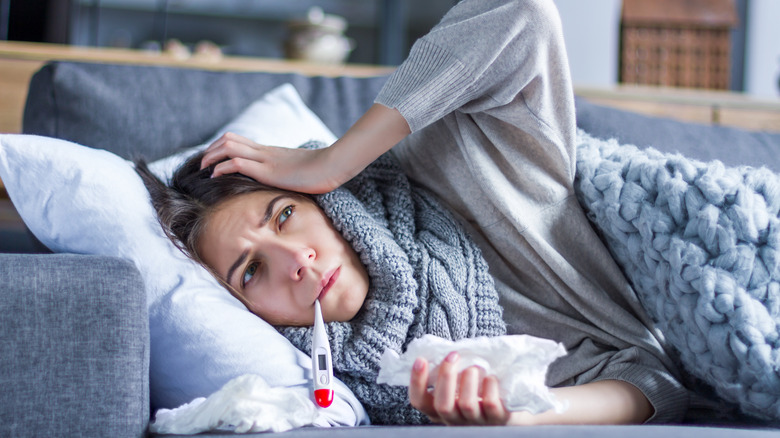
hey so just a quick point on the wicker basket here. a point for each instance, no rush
(678, 43)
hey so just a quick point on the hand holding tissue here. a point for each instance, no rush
(519, 362)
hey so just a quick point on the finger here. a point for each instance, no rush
(230, 145)
(468, 396)
(250, 168)
(215, 155)
(492, 406)
(209, 157)
(444, 393)
(228, 136)
(216, 143)
(419, 397)
(242, 154)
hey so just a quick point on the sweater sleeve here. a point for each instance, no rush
(500, 66)
(643, 370)
(484, 54)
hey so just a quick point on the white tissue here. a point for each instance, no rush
(244, 404)
(519, 362)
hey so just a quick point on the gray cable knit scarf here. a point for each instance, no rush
(426, 277)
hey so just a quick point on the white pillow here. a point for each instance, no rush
(279, 118)
(82, 200)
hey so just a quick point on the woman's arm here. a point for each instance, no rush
(600, 402)
(466, 399)
(476, 51)
(311, 171)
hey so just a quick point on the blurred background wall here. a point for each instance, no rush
(383, 30)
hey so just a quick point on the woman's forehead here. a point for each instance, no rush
(260, 197)
(255, 209)
(226, 220)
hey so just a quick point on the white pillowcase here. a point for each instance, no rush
(82, 200)
(279, 118)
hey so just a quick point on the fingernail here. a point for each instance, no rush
(418, 364)
(452, 357)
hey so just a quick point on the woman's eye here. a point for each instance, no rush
(250, 272)
(286, 213)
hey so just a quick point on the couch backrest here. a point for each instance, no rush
(153, 111)
(732, 146)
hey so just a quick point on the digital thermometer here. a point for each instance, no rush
(321, 364)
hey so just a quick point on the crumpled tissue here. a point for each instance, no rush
(244, 404)
(519, 362)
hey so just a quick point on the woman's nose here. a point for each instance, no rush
(298, 260)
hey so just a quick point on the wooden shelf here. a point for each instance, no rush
(709, 107)
(45, 52)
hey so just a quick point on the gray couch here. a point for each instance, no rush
(75, 355)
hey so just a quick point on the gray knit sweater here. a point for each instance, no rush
(489, 100)
(426, 277)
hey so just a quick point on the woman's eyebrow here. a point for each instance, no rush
(235, 265)
(269, 211)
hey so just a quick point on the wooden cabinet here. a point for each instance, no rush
(677, 43)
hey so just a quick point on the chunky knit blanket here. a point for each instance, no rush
(426, 277)
(700, 244)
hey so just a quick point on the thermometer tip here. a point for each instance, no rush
(324, 397)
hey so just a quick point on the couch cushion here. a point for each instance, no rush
(75, 346)
(154, 111)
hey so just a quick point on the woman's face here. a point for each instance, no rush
(282, 253)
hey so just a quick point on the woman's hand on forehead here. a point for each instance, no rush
(310, 170)
(299, 170)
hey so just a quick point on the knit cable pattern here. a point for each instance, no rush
(426, 277)
(699, 242)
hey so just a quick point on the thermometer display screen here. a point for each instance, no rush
(323, 360)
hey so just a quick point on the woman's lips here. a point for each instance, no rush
(328, 280)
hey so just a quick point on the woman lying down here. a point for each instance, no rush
(467, 227)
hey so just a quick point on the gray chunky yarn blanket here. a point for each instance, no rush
(700, 243)
(426, 277)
